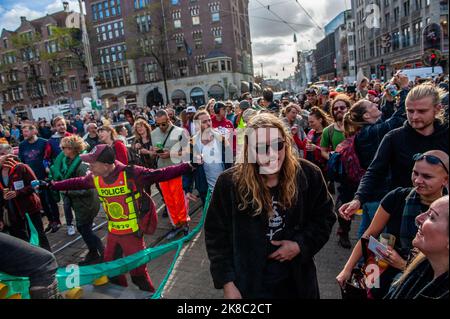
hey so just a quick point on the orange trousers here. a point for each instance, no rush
(176, 203)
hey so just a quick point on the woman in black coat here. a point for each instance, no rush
(268, 217)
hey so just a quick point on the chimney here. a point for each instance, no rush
(23, 19)
(66, 6)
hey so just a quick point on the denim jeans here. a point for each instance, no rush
(93, 243)
(369, 210)
(19, 258)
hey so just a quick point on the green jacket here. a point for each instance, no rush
(85, 203)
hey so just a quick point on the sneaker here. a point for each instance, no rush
(186, 230)
(55, 227)
(70, 230)
(344, 242)
(48, 228)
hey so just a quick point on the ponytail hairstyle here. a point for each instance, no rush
(354, 118)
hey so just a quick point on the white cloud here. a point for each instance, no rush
(10, 19)
(56, 6)
(273, 41)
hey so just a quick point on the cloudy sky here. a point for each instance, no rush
(273, 39)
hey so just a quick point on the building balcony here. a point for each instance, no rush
(416, 14)
(404, 20)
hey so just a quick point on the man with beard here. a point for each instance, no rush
(31, 152)
(424, 131)
(331, 137)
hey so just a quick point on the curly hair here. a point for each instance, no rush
(74, 142)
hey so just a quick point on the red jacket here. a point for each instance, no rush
(121, 152)
(26, 201)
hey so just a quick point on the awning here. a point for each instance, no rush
(216, 90)
(107, 96)
(178, 95)
(245, 86)
(197, 92)
(126, 93)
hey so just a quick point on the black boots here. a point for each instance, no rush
(93, 257)
(49, 292)
(344, 241)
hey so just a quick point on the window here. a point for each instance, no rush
(73, 84)
(176, 16)
(182, 67)
(417, 32)
(217, 33)
(151, 72)
(428, 21)
(372, 49)
(179, 40)
(49, 30)
(406, 36)
(418, 4)
(396, 14)
(112, 54)
(427, 3)
(110, 31)
(195, 12)
(5, 43)
(94, 12)
(175, 2)
(144, 23)
(406, 5)
(387, 18)
(199, 64)
(215, 11)
(51, 46)
(106, 8)
(386, 3)
(396, 40)
(197, 36)
(139, 4)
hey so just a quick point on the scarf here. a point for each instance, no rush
(408, 228)
(61, 169)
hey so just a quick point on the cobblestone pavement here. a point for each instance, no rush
(190, 278)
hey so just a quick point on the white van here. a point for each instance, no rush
(422, 72)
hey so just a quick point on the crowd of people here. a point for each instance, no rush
(380, 148)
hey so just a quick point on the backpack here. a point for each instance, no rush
(335, 169)
(351, 169)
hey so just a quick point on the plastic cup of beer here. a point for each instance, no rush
(387, 240)
(5, 190)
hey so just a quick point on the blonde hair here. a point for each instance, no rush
(74, 142)
(252, 189)
(420, 256)
(426, 90)
(144, 124)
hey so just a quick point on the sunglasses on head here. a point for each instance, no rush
(431, 159)
(275, 146)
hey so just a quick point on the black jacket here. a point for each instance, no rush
(369, 137)
(394, 157)
(421, 285)
(236, 242)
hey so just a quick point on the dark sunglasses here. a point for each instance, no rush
(264, 148)
(431, 159)
(161, 124)
(342, 108)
